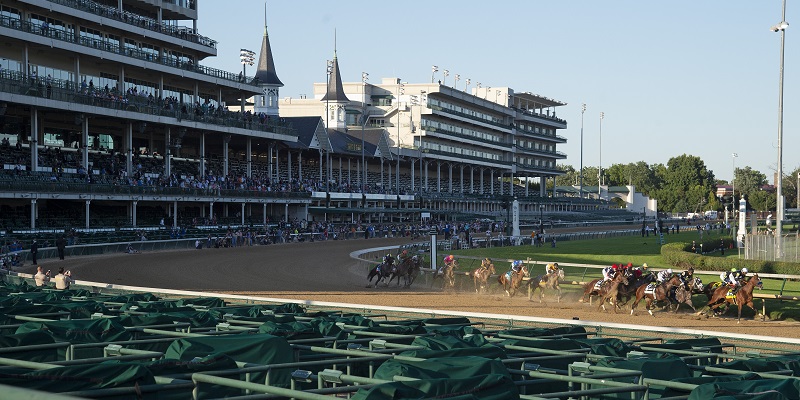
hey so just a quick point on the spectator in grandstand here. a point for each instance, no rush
(61, 244)
(41, 278)
(63, 279)
(34, 251)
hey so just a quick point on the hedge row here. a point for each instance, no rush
(681, 255)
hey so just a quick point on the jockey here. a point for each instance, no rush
(388, 261)
(639, 271)
(516, 266)
(485, 263)
(687, 276)
(664, 275)
(735, 277)
(552, 268)
(403, 256)
(609, 272)
(448, 262)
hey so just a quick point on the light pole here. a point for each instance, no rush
(541, 218)
(466, 85)
(247, 57)
(798, 191)
(458, 78)
(733, 184)
(434, 69)
(600, 168)
(445, 73)
(364, 79)
(780, 27)
(580, 186)
(400, 91)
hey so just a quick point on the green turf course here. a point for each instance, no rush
(625, 249)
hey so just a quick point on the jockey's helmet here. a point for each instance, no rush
(415, 258)
(614, 266)
(449, 259)
(734, 269)
(669, 271)
(516, 263)
(744, 270)
(644, 266)
(405, 252)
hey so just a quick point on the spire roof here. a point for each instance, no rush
(266, 66)
(335, 90)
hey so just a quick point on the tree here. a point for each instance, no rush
(569, 178)
(748, 181)
(684, 178)
(638, 174)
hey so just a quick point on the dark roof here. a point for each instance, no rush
(266, 66)
(335, 90)
(340, 141)
(306, 128)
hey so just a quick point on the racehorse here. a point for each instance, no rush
(408, 270)
(511, 280)
(596, 288)
(480, 276)
(626, 292)
(709, 289)
(743, 296)
(546, 281)
(381, 272)
(448, 275)
(611, 292)
(683, 293)
(660, 293)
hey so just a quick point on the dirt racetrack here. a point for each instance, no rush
(324, 271)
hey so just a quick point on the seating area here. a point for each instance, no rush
(83, 340)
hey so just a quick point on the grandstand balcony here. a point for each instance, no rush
(519, 130)
(11, 27)
(540, 152)
(449, 134)
(127, 20)
(65, 96)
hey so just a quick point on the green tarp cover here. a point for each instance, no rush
(436, 368)
(713, 343)
(287, 308)
(700, 380)
(197, 319)
(29, 339)
(291, 331)
(453, 330)
(395, 330)
(131, 298)
(355, 320)
(536, 332)
(606, 346)
(486, 387)
(250, 313)
(80, 377)
(761, 389)
(166, 366)
(550, 344)
(80, 330)
(759, 365)
(20, 287)
(328, 328)
(655, 366)
(202, 301)
(81, 309)
(450, 346)
(31, 309)
(251, 348)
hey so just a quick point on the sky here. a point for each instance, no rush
(674, 77)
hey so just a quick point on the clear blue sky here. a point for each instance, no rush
(684, 76)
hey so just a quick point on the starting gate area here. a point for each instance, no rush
(104, 341)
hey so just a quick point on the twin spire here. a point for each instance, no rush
(266, 65)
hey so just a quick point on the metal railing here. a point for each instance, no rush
(762, 247)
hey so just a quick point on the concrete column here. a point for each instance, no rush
(249, 155)
(128, 141)
(511, 184)
(77, 64)
(133, 213)
(382, 173)
(34, 212)
(202, 154)
(491, 181)
(86, 213)
(288, 165)
(34, 142)
(554, 187)
(482, 189)
(439, 176)
(242, 213)
(413, 175)
(175, 214)
(264, 215)
(85, 142)
(450, 178)
(167, 151)
(211, 210)
(286, 213)
(26, 66)
(121, 81)
(277, 162)
(225, 141)
(461, 177)
(299, 165)
(472, 179)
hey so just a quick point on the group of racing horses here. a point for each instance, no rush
(676, 290)
(623, 286)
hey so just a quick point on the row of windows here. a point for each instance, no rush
(534, 162)
(542, 130)
(96, 37)
(465, 111)
(464, 131)
(432, 145)
(529, 144)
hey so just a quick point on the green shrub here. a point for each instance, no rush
(680, 255)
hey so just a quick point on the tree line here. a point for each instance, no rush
(685, 184)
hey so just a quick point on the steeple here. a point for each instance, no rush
(267, 103)
(335, 90)
(266, 66)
